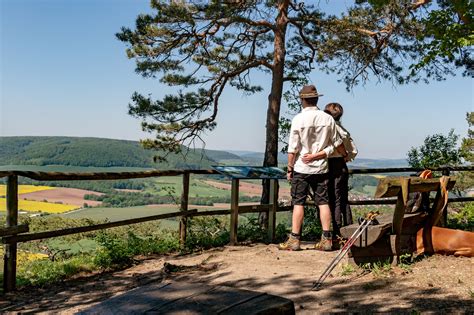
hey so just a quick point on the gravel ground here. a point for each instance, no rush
(437, 284)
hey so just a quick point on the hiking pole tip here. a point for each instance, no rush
(316, 286)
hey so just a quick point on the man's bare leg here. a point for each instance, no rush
(325, 217)
(297, 219)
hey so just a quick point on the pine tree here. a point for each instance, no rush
(205, 47)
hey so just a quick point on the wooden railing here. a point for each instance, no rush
(12, 233)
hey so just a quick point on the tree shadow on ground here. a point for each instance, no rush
(348, 295)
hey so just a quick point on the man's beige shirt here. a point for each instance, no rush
(312, 130)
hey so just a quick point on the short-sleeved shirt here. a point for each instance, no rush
(312, 131)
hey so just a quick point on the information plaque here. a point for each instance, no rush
(251, 172)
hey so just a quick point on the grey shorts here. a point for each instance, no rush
(300, 184)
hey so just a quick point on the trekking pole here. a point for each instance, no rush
(342, 252)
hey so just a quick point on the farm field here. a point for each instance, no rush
(250, 188)
(115, 214)
(72, 196)
(39, 206)
(47, 199)
(163, 186)
(24, 189)
(210, 187)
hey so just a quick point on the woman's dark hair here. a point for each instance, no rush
(335, 110)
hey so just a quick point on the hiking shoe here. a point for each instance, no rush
(325, 244)
(292, 243)
(338, 242)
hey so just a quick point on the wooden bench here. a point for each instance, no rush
(192, 298)
(395, 235)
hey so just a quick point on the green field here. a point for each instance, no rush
(115, 214)
(197, 187)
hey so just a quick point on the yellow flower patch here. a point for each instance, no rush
(37, 206)
(25, 256)
(24, 189)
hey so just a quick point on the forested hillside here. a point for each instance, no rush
(100, 152)
(96, 152)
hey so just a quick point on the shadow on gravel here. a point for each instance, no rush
(348, 295)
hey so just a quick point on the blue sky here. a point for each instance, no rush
(63, 73)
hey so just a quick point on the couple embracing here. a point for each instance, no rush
(318, 149)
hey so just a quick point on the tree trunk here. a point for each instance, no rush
(274, 101)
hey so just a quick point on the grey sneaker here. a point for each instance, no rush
(292, 243)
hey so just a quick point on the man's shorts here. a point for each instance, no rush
(300, 184)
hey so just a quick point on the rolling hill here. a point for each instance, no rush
(100, 152)
(91, 152)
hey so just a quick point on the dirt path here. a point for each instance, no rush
(437, 284)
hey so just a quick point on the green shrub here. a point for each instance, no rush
(45, 271)
(118, 252)
(312, 229)
(207, 232)
(251, 230)
(281, 232)
(114, 252)
(464, 219)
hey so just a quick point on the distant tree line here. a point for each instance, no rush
(130, 199)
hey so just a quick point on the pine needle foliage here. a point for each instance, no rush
(203, 48)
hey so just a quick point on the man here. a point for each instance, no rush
(339, 173)
(312, 132)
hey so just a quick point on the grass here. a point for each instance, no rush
(369, 190)
(197, 187)
(39, 206)
(405, 262)
(378, 269)
(44, 271)
(23, 257)
(347, 269)
(115, 214)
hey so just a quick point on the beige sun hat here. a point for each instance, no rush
(309, 91)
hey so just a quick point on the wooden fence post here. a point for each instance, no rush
(234, 211)
(183, 222)
(273, 210)
(9, 257)
(444, 223)
(398, 214)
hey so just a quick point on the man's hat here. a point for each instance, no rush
(309, 91)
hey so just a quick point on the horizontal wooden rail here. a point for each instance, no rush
(90, 228)
(373, 202)
(102, 175)
(12, 230)
(407, 169)
(242, 210)
(461, 199)
(11, 235)
(157, 173)
(190, 213)
(391, 201)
